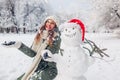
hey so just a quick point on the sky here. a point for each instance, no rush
(83, 7)
(70, 6)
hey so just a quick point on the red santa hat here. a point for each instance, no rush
(80, 23)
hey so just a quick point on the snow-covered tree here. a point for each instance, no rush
(107, 13)
(32, 13)
(6, 17)
(23, 13)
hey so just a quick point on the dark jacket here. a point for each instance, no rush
(49, 70)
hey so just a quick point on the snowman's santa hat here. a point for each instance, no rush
(74, 22)
(77, 21)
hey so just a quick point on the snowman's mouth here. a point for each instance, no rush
(70, 35)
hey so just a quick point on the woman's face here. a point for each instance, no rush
(50, 24)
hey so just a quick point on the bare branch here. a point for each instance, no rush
(95, 49)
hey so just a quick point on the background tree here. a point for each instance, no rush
(108, 14)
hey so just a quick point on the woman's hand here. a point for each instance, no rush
(12, 44)
(47, 55)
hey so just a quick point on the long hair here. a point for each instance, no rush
(50, 33)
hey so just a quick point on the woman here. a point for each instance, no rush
(46, 38)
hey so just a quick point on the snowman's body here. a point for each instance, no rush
(72, 65)
(73, 62)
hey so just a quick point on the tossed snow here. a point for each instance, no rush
(13, 63)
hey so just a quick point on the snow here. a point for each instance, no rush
(13, 63)
(109, 68)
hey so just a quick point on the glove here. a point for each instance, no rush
(12, 44)
(46, 54)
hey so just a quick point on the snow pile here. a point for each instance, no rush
(13, 63)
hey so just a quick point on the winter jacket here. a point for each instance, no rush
(45, 70)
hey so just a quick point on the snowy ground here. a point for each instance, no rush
(13, 62)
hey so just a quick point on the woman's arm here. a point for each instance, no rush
(19, 45)
(28, 51)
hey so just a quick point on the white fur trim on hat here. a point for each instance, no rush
(54, 18)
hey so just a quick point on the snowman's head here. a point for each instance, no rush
(72, 32)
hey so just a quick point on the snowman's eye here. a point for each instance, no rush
(73, 28)
(65, 29)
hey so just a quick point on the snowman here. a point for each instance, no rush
(72, 62)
